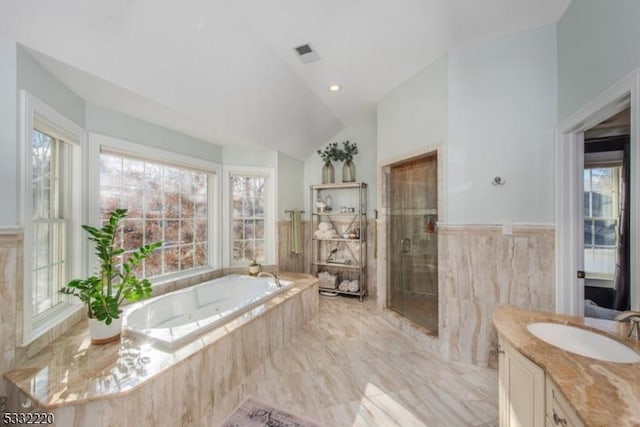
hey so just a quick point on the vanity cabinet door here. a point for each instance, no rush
(559, 412)
(521, 389)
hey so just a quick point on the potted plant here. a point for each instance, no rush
(104, 292)
(330, 152)
(254, 268)
(348, 168)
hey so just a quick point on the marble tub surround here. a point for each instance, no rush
(10, 277)
(135, 383)
(480, 268)
(601, 393)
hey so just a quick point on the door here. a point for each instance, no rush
(412, 270)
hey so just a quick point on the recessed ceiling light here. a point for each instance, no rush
(335, 88)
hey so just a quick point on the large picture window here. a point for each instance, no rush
(165, 203)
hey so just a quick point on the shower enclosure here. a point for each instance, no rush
(412, 248)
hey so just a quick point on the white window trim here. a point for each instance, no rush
(98, 143)
(270, 211)
(61, 127)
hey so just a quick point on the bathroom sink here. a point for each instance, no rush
(583, 342)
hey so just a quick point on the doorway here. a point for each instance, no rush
(412, 246)
(569, 194)
(607, 196)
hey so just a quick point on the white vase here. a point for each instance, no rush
(254, 270)
(101, 333)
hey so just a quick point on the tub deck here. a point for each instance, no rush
(132, 380)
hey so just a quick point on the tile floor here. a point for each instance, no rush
(349, 367)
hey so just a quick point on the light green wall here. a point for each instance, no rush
(290, 185)
(117, 125)
(245, 156)
(502, 116)
(414, 114)
(39, 82)
(597, 46)
(8, 138)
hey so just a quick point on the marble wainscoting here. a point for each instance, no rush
(132, 383)
(301, 262)
(481, 269)
(10, 277)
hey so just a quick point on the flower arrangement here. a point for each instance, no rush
(330, 152)
(348, 151)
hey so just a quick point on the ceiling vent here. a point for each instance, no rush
(306, 53)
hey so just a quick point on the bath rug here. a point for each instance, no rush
(253, 413)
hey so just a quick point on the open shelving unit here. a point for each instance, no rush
(339, 246)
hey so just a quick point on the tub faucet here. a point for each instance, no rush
(274, 275)
(634, 318)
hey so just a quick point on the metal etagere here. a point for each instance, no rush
(338, 230)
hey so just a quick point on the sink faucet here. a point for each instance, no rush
(634, 318)
(274, 275)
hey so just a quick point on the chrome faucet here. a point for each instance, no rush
(274, 275)
(634, 318)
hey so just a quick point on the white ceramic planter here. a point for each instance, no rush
(254, 270)
(101, 333)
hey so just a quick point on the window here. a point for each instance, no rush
(169, 197)
(49, 164)
(165, 203)
(248, 218)
(601, 210)
(249, 199)
(51, 192)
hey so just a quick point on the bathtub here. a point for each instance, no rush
(177, 318)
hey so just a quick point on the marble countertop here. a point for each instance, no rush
(70, 370)
(601, 393)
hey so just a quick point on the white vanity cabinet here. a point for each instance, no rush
(527, 397)
(521, 389)
(559, 413)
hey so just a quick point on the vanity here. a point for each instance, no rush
(544, 384)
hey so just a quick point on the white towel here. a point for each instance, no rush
(354, 286)
(344, 286)
(324, 226)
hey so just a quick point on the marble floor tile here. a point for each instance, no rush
(349, 367)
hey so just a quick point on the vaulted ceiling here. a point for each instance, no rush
(225, 71)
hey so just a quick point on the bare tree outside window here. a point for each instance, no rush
(248, 218)
(165, 203)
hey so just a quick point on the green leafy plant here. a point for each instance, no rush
(348, 150)
(330, 152)
(104, 292)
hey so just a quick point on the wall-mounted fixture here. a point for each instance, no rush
(498, 180)
(335, 88)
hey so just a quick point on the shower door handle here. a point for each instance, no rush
(406, 245)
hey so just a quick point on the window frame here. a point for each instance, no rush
(608, 159)
(36, 113)
(270, 204)
(99, 143)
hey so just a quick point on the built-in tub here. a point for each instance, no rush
(177, 318)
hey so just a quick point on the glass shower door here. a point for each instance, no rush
(412, 270)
